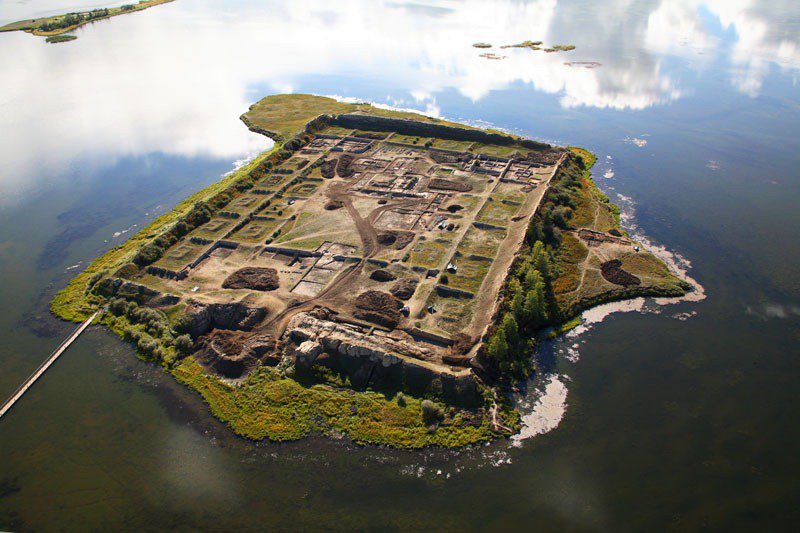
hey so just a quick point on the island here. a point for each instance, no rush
(377, 274)
(60, 24)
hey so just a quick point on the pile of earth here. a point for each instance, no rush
(457, 354)
(328, 168)
(404, 288)
(379, 307)
(612, 271)
(382, 275)
(396, 239)
(333, 205)
(448, 185)
(344, 167)
(256, 278)
(233, 354)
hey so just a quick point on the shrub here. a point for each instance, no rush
(183, 343)
(431, 412)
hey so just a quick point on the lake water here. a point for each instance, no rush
(682, 416)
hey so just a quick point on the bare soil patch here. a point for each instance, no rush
(396, 239)
(612, 271)
(255, 278)
(232, 354)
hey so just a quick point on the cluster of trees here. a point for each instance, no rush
(527, 308)
(149, 329)
(529, 304)
(558, 206)
(71, 19)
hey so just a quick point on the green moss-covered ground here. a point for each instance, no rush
(271, 406)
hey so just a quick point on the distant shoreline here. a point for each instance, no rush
(60, 24)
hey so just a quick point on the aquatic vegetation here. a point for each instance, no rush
(61, 38)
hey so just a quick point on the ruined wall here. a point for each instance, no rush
(379, 362)
(426, 129)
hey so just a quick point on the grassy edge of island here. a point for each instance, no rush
(271, 403)
(59, 24)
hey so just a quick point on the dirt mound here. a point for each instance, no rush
(612, 271)
(328, 168)
(382, 275)
(256, 278)
(396, 239)
(383, 302)
(232, 354)
(404, 288)
(379, 308)
(448, 185)
(344, 167)
(333, 205)
(462, 343)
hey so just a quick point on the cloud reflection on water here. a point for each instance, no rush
(174, 79)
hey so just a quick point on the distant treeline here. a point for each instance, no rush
(73, 19)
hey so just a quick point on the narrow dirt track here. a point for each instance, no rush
(369, 240)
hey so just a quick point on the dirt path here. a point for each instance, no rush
(487, 298)
(585, 264)
(336, 288)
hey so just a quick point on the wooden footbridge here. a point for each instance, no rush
(45, 365)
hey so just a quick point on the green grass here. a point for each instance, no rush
(495, 150)
(452, 315)
(214, 229)
(180, 255)
(270, 406)
(429, 254)
(483, 242)
(303, 189)
(499, 209)
(256, 231)
(337, 131)
(595, 210)
(470, 273)
(282, 116)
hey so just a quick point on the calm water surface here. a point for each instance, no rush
(671, 417)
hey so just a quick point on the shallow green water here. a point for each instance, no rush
(681, 416)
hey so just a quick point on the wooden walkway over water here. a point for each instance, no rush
(45, 365)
